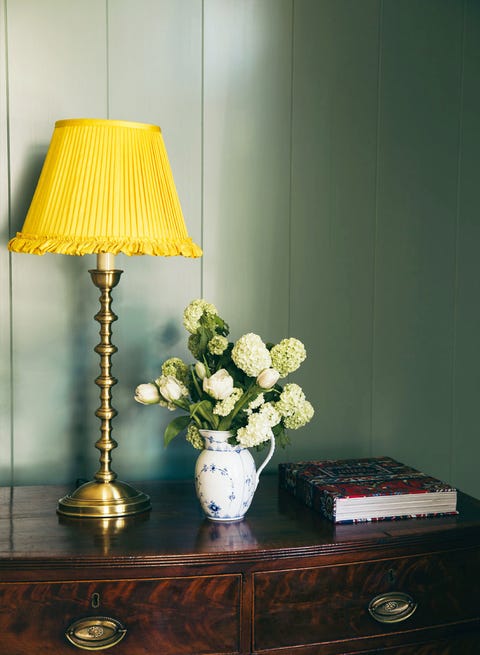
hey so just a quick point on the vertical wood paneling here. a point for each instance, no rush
(5, 368)
(333, 214)
(326, 157)
(466, 443)
(56, 70)
(247, 163)
(415, 249)
(155, 64)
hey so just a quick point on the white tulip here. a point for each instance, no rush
(268, 378)
(200, 370)
(147, 394)
(170, 388)
(219, 385)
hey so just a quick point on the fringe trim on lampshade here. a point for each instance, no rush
(38, 245)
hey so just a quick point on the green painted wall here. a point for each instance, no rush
(326, 154)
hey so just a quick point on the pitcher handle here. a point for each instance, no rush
(267, 459)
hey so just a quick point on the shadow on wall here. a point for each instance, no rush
(131, 365)
(28, 180)
(84, 367)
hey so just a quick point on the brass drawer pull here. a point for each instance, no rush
(392, 607)
(95, 632)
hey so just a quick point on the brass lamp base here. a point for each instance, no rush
(105, 496)
(97, 499)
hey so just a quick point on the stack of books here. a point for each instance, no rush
(368, 489)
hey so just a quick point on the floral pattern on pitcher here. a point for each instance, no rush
(225, 477)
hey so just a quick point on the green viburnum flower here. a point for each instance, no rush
(217, 344)
(255, 432)
(287, 356)
(177, 369)
(193, 436)
(194, 312)
(270, 412)
(224, 407)
(251, 355)
(256, 403)
(291, 396)
(295, 410)
(302, 415)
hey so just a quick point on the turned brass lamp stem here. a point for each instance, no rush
(105, 281)
(105, 496)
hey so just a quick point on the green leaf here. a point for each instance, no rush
(204, 339)
(195, 383)
(204, 411)
(174, 427)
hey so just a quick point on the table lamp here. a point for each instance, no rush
(106, 187)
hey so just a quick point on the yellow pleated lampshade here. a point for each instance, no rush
(106, 186)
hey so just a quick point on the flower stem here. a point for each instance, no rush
(247, 397)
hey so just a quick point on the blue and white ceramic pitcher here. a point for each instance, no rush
(226, 477)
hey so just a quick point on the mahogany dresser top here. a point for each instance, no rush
(277, 526)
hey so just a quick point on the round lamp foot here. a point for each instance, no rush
(104, 499)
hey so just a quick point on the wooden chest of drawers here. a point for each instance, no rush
(282, 582)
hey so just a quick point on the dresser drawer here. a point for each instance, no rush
(187, 615)
(326, 604)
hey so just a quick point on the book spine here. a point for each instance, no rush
(304, 491)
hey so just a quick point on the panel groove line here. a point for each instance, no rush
(375, 231)
(6, 299)
(456, 250)
(107, 56)
(290, 190)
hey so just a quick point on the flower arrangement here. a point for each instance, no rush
(231, 386)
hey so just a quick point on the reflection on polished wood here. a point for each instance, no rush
(30, 529)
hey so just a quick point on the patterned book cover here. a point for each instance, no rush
(368, 489)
